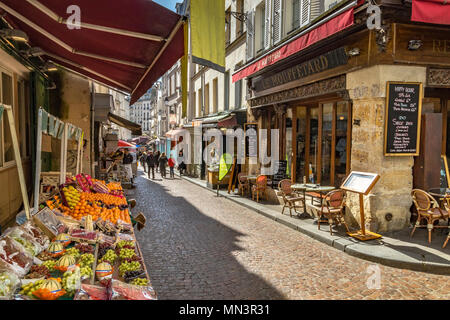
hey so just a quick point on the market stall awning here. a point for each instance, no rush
(431, 11)
(172, 133)
(124, 44)
(300, 42)
(122, 143)
(135, 128)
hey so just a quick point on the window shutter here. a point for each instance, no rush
(305, 12)
(277, 20)
(267, 23)
(250, 35)
(295, 14)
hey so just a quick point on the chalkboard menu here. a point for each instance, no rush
(402, 120)
(251, 142)
(281, 172)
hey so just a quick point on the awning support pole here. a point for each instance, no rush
(37, 177)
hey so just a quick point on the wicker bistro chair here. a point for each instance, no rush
(429, 210)
(260, 188)
(289, 197)
(243, 184)
(333, 208)
(447, 207)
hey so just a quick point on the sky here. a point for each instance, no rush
(170, 4)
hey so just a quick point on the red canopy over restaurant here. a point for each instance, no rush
(124, 44)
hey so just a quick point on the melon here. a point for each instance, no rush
(55, 248)
(63, 238)
(66, 261)
(103, 270)
(52, 285)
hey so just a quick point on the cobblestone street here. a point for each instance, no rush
(198, 246)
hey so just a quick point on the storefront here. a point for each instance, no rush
(329, 103)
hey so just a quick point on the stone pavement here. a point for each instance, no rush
(199, 246)
(394, 249)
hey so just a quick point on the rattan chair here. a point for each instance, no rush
(429, 210)
(289, 197)
(447, 207)
(243, 184)
(333, 209)
(260, 187)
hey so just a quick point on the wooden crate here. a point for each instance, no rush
(49, 179)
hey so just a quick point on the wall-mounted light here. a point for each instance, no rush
(14, 34)
(414, 44)
(50, 67)
(353, 52)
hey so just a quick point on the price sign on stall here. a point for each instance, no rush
(402, 119)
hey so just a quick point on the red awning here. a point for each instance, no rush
(431, 11)
(124, 44)
(338, 23)
(122, 143)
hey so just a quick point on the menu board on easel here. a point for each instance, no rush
(402, 119)
(361, 183)
(251, 142)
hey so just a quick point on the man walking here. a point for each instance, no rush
(157, 155)
(151, 164)
(162, 164)
(143, 159)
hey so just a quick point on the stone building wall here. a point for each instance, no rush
(392, 193)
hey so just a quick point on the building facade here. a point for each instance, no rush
(319, 73)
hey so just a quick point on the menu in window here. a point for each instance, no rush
(402, 119)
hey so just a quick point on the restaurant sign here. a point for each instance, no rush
(329, 60)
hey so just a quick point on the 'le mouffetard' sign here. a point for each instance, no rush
(321, 63)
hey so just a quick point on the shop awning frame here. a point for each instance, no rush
(153, 45)
(135, 128)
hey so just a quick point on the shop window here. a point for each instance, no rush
(313, 145)
(7, 98)
(300, 167)
(238, 94)
(342, 111)
(327, 137)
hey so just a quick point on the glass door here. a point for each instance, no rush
(300, 164)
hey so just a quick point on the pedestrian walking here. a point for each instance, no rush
(181, 164)
(171, 163)
(162, 164)
(127, 161)
(151, 164)
(143, 161)
(157, 155)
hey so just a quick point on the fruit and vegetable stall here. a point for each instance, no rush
(79, 245)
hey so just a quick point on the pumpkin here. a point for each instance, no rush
(52, 285)
(55, 249)
(66, 261)
(63, 238)
(103, 270)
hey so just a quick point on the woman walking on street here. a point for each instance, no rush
(151, 164)
(157, 155)
(171, 166)
(162, 164)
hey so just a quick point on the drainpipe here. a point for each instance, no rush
(92, 130)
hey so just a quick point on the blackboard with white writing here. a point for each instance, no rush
(402, 119)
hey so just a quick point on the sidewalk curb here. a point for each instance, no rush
(348, 245)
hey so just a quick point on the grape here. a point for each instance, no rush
(109, 256)
(129, 266)
(86, 271)
(140, 281)
(126, 253)
(28, 289)
(123, 243)
(86, 259)
(50, 264)
(73, 251)
(84, 248)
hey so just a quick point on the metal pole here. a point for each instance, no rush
(37, 177)
(18, 159)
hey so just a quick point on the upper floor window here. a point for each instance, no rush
(228, 26)
(239, 23)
